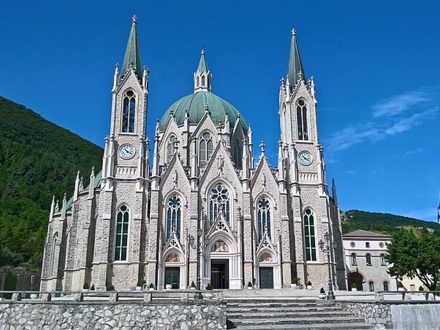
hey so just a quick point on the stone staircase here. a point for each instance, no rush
(287, 313)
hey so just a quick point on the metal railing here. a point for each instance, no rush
(407, 295)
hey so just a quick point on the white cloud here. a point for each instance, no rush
(399, 103)
(405, 124)
(388, 119)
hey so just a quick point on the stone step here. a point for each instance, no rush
(286, 315)
(247, 309)
(351, 326)
(302, 321)
(272, 304)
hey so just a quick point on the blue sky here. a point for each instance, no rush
(375, 63)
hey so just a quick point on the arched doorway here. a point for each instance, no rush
(220, 265)
(357, 279)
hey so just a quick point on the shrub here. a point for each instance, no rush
(151, 286)
(421, 288)
(309, 283)
(110, 287)
(353, 285)
(92, 287)
(140, 283)
(209, 286)
(193, 285)
(322, 290)
(250, 284)
(295, 280)
(86, 285)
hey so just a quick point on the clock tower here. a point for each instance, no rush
(125, 172)
(309, 203)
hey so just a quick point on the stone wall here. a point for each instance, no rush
(396, 315)
(378, 314)
(88, 315)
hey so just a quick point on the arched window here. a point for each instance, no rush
(371, 286)
(219, 199)
(309, 231)
(206, 147)
(237, 153)
(122, 219)
(203, 81)
(55, 250)
(382, 260)
(128, 112)
(385, 286)
(301, 118)
(353, 259)
(263, 217)
(172, 140)
(174, 216)
(368, 257)
(198, 81)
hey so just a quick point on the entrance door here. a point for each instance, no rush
(172, 275)
(266, 278)
(219, 271)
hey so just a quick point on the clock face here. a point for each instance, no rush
(305, 158)
(127, 151)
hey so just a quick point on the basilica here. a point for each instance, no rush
(201, 208)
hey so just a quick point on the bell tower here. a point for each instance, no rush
(125, 148)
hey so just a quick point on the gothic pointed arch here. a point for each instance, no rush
(309, 221)
(128, 118)
(121, 233)
(302, 119)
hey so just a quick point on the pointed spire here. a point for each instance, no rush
(202, 77)
(77, 182)
(262, 146)
(132, 58)
(203, 67)
(334, 195)
(92, 182)
(296, 69)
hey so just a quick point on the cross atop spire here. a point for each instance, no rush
(132, 57)
(296, 69)
(202, 77)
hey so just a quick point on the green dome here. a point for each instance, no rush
(195, 104)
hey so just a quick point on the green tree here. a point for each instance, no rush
(414, 253)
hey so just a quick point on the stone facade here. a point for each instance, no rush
(111, 316)
(378, 314)
(204, 213)
(367, 268)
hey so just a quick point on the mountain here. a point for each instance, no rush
(38, 159)
(382, 222)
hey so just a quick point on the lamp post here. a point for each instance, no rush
(325, 246)
(197, 243)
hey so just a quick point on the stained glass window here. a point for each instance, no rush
(309, 233)
(129, 112)
(219, 199)
(263, 217)
(121, 243)
(174, 215)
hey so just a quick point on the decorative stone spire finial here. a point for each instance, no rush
(202, 77)
(262, 146)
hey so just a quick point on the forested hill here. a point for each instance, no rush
(37, 159)
(382, 222)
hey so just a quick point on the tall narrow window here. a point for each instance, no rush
(128, 112)
(301, 118)
(172, 140)
(219, 199)
(174, 216)
(368, 258)
(385, 286)
(371, 286)
(203, 81)
(122, 219)
(55, 250)
(263, 217)
(206, 147)
(353, 259)
(382, 260)
(309, 231)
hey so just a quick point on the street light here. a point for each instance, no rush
(326, 246)
(197, 243)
